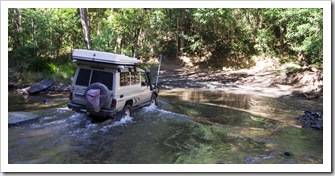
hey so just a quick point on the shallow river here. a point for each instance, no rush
(188, 126)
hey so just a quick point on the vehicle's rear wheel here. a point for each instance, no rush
(126, 112)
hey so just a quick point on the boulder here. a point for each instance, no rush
(40, 86)
(18, 117)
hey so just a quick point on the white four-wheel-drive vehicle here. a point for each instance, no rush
(109, 85)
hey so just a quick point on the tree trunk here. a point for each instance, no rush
(137, 33)
(177, 37)
(99, 27)
(118, 46)
(121, 44)
(86, 29)
(18, 27)
(181, 31)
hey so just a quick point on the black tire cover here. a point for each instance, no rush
(104, 93)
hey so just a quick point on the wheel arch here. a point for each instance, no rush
(130, 102)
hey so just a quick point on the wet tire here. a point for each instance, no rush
(154, 100)
(104, 93)
(126, 111)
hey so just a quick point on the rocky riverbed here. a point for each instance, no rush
(304, 84)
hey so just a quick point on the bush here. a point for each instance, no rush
(21, 58)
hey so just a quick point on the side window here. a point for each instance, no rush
(135, 79)
(83, 77)
(124, 79)
(143, 80)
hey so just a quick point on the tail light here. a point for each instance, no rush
(70, 96)
(113, 105)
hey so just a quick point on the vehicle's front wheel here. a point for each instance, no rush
(154, 100)
(126, 112)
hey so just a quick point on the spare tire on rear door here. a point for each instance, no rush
(97, 96)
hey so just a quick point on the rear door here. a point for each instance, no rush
(82, 80)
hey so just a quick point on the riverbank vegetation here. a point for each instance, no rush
(41, 40)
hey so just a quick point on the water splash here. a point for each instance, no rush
(126, 120)
(150, 108)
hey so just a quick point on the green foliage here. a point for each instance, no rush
(305, 33)
(53, 68)
(293, 69)
(58, 70)
(221, 37)
(47, 35)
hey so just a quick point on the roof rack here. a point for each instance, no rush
(103, 57)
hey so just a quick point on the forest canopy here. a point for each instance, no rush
(40, 39)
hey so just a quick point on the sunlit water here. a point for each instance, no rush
(189, 126)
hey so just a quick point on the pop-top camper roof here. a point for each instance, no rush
(104, 57)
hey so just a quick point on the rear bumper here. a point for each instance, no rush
(82, 109)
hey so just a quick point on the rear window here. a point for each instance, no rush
(83, 78)
(105, 78)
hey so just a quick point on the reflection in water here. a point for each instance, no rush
(205, 96)
(190, 126)
(18, 102)
(280, 109)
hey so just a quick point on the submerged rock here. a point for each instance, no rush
(47, 102)
(290, 162)
(288, 154)
(258, 158)
(311, 120)
(16, 118)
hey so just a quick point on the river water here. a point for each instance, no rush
(188, 126)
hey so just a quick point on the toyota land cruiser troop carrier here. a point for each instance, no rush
(109, 85)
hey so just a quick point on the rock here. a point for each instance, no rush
(16, 118)
(288, 154)
(47, 102)
(290, 162)
(311, 120)
(40, 86)
(313, 69)
(11, 85)
(23, 91)
(249, 160)
(258, 158)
